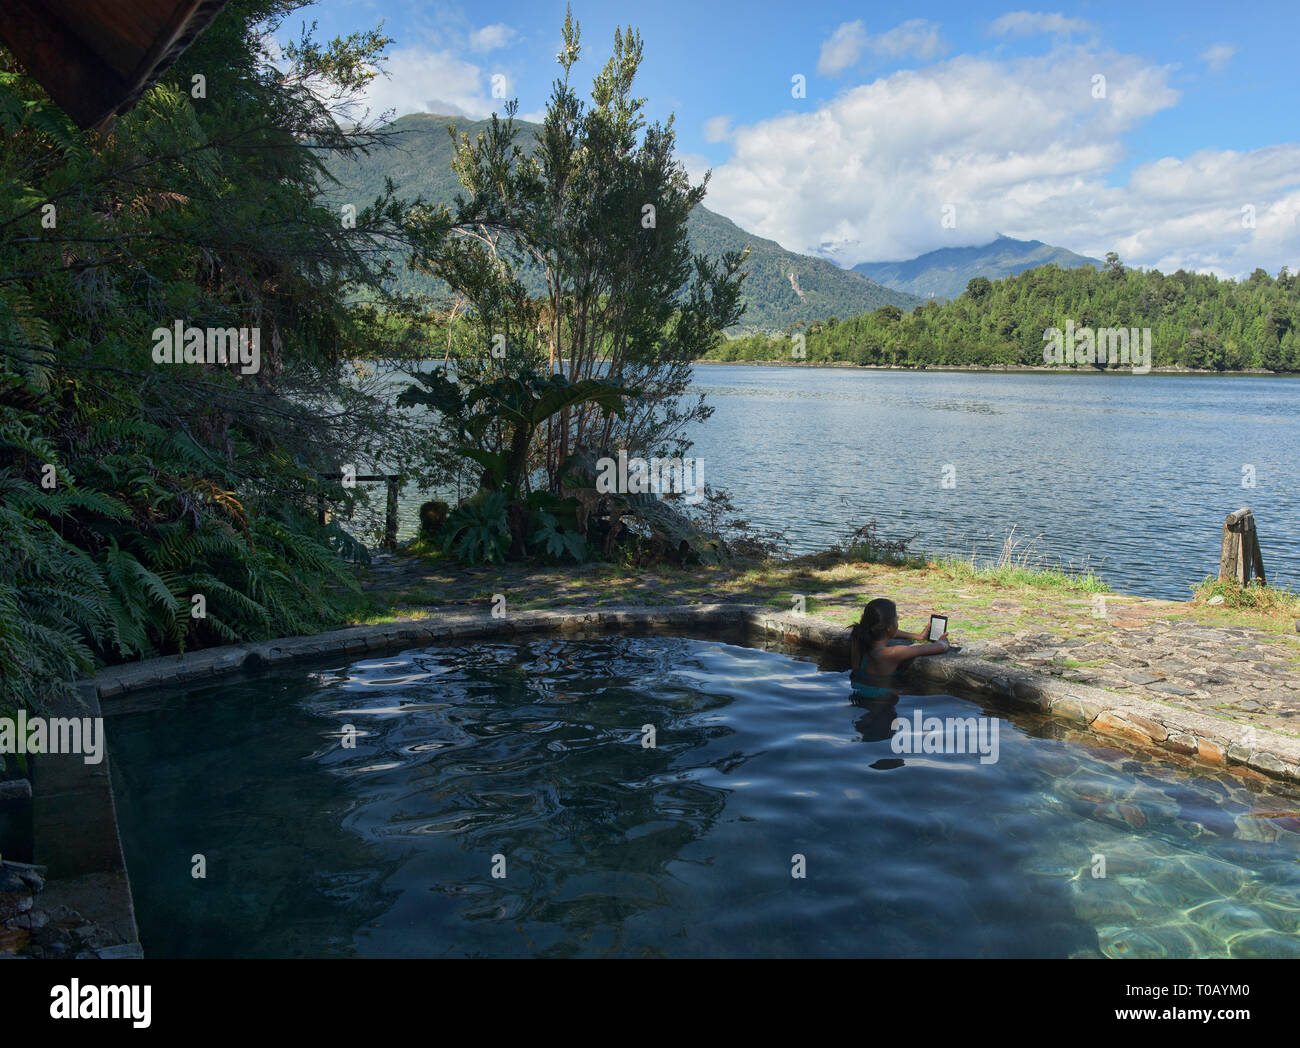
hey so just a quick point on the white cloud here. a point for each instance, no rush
(490, 37)
(716, 129)
(1031, 23)
(421, 80)
(438, 73)
(1015, 146)
(1188, 214)
(844, 47)
(696, 166)
(914, 37)
(1218, 57)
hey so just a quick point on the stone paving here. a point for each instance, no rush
(1182, 654)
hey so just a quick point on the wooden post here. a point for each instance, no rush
(1257, 558)
(1239, 556)
(1228, 552)
(390, 518)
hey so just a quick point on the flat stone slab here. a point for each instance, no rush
(1140, 677)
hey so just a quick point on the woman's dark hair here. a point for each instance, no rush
(877, 617)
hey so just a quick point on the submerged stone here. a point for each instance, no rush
(1172, 893)
(1131, 942)
(1265, 944)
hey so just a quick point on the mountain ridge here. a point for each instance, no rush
(945, 272)
(782, 288)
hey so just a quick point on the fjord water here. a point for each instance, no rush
(531, 754)
(1131, 475)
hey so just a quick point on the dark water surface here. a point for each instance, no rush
(532, 751)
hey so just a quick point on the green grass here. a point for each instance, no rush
(1021, 576)
(862, 554)
(423, 546)
(1267, 600)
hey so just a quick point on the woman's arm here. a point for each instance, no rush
(898, 653)
(921, 635)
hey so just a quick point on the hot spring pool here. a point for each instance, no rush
(528, 756)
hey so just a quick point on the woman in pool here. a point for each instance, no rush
(871, 652)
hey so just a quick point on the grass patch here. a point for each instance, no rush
(1020, 576)
(425, 547)
(1266, 600)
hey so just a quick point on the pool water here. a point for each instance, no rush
(528, 759)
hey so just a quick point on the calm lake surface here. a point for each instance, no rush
(1130, 476)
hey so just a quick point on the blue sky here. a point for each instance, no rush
(924, 125)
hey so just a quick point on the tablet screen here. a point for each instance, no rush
(938, 626)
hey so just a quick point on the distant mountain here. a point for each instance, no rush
(782, 287)
(946, 272)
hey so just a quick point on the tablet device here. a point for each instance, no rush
(938, 626)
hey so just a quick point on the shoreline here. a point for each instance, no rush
(1019, 369)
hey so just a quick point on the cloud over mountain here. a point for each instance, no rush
(953, 153)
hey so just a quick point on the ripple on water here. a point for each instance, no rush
(682, 849)
(1224, 878)
(1225, 918)
(1168, 892)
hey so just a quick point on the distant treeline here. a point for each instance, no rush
(1196, 321)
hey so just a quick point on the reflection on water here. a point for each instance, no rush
(531, 756)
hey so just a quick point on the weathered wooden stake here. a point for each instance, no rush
(394, 481)
(1239, 556)
(390, 519)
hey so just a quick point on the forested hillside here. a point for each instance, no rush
(417, 158)
(1196, 321)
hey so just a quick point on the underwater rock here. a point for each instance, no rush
(1264, 944)
(1173, 893)
(1249, 829)
(1094, 791)
(1103, 901)
(1130, 942)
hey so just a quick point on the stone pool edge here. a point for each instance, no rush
(77, 842)
(1208, 740)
